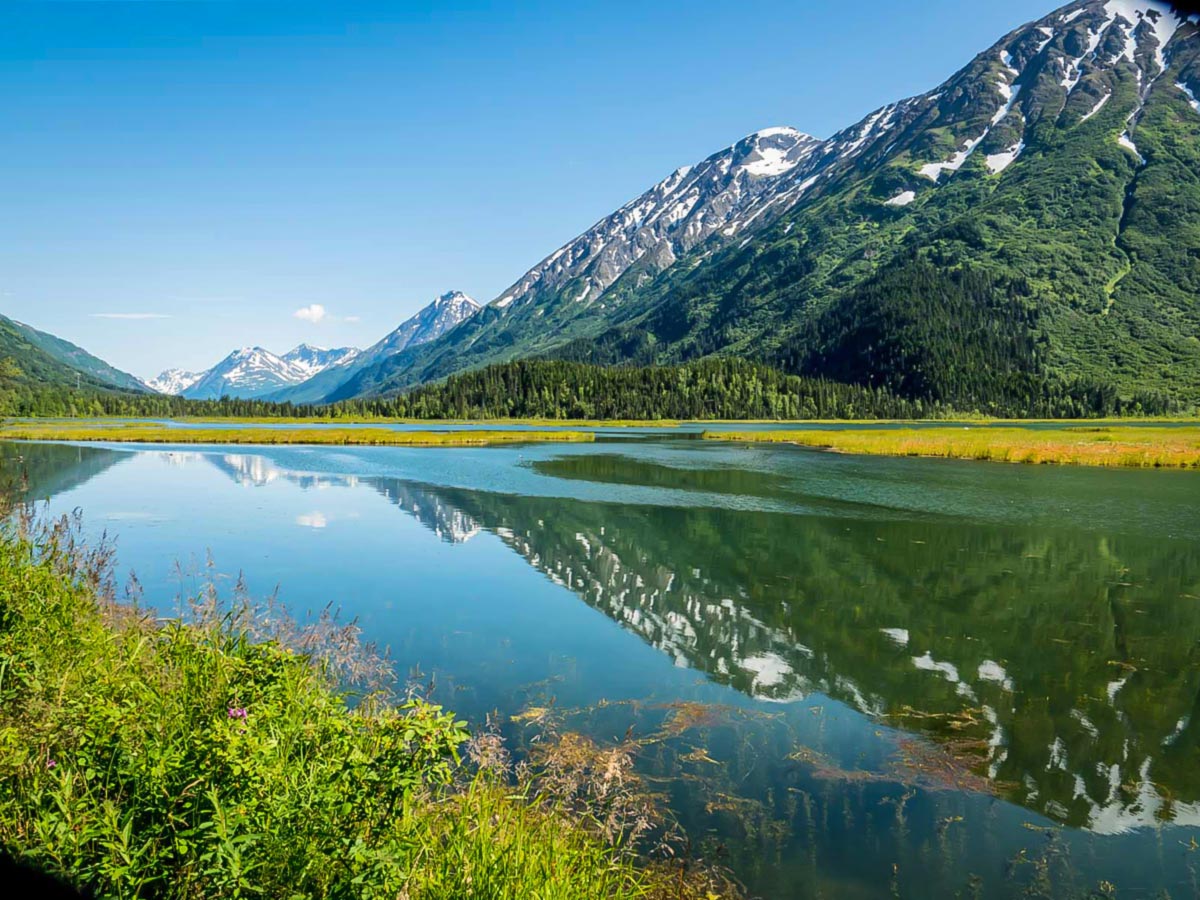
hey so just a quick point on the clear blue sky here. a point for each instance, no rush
(224, 164)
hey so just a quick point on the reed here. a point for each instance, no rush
(1079, 445)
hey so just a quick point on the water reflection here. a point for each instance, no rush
(1053, 665)
(1072, 659)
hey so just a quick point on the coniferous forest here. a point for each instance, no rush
(714, 388)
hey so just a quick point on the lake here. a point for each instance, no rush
(853, 677)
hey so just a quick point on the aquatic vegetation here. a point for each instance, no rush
(150, 433)
(1129, 446)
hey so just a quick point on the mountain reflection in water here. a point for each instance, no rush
(1058, 667)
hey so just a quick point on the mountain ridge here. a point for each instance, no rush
(429, 323)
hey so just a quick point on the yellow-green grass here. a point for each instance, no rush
(1079, 445)
(147, 433)
(431, 423)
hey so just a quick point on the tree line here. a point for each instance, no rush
(712, 388)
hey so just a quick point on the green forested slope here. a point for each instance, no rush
(35, 381)
(78, 359)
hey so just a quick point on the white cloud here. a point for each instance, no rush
(313, 313)
(312, 520)
(353, 320)
(129, 316)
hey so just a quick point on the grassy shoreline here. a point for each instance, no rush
(150, 433)
(221, 756)
(1082, 444)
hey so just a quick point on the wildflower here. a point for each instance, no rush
(51, 763)
(238, 712)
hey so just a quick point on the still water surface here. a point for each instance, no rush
(919, 678)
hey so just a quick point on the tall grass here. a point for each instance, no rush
(1115, 446)
(149, 433)
(223, 754)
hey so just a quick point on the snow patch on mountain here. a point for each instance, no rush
(1190, 95)
(998, 162)
(933, 171)
(1158, 17)
(1009, 93)
(1127, 142)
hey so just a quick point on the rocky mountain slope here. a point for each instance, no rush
(1033, 220)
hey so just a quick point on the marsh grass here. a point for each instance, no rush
(150, 433)
(233, 752)
(1107, 446)
(428, 423)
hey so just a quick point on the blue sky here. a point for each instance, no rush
(221, 165)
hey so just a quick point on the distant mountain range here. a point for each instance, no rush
(256, 373)
(1032, 222)
(441, 316)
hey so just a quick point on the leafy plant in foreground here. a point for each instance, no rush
(221, 755)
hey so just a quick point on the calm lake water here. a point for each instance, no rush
(918, 678)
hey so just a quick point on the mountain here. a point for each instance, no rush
(33, 360)
(314, 360)
(252, 373)
(430, 323)
(174, 381)
(249, 373)
(442, 315)
(77, 359)
(1033, 221)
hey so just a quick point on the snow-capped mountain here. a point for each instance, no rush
(252, 372)
(430, 323)
(992, 102)
(247, 373)
(442, 315)
(173, 381)
(724, 193)
(313, 360)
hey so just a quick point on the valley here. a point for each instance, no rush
(686, 566)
